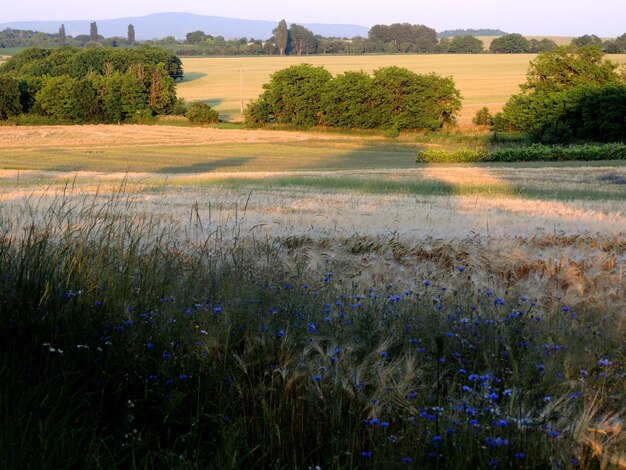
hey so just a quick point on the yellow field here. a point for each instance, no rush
(484, 80)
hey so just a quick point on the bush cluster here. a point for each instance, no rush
(571, 94)
(201, 113)
(392, 98)
(531, 153)
(90, 85)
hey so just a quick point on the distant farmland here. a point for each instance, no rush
(484, 80)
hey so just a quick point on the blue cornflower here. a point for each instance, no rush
(152, 377)
(407, 459)
(366, 453)
(280, 333)
(317, 378)
(426, 283)
(183, 376)
(604, 362)
(383, 354)
(150, 345)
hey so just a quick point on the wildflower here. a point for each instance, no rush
(384, 424)
(183, 376)
(460, 268)
(436, 439)
(383, 354)
(152, 377)
(150, 345)
(280, 333)
(520, 455)
(604, 362)
(496, 442)
(553, 433)
(317, 378)
(366, 453)
(426, 283)
(407, 459)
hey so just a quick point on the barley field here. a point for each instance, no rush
(483, 80)
(177, 297)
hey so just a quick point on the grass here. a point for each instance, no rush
(132, 340)
(483, 79)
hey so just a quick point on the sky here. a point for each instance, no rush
(605, 18)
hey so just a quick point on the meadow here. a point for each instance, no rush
(222, 298)
(483, 79)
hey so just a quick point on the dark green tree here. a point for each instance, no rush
(544, 45)
(62, 35)
(347, 101)
(510, 44)
(281, 33)
(292, 96)
(563, 91)
(130, 39)
(93, 32)
(465, 45)
(201, 113)
(403, 99)
(303, 41)
(587, 40)
(9, 97)
(196, 37)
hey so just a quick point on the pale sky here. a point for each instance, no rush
(606, 18)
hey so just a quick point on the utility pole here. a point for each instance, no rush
(241, 86)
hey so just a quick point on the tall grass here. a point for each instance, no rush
(133, 342)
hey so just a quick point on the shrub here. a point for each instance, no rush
(347, 101)
(483, 117)
(9, 97)
(201, 113)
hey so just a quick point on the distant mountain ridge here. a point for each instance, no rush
(450, 33)
(160, 25)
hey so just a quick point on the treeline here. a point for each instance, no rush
(90, 85)
(571, 94)
(392, 98)
(397, 38)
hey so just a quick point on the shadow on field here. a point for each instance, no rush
(222, 164)
(191, 76)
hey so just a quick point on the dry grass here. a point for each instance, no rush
(484, 80)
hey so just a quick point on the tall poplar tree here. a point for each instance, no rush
(131, 34)
(93, 33)
(281, 33)
(62, 36)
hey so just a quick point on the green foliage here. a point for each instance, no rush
(293, 96)
(404, 37)
(405, 100)
(483, 117)
(532, 153)
(303, 41)
(281, 34)
(510, 44)
(394, 98)
(77, 62)
(571, 94)
(201, 113)
(347, 101)
(587, 40)
(544, 45)
(10, 104)
(465, 45)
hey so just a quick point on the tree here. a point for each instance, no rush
(545, 45)
(510, 44)
(568, 66)
(93, 32)
(347, 101)
(131, 35)
(62, 35)
(292, 96)
(281, 33)
(196, 37)
(162, 91)
(465, 45)
(303, 41)
(201, 113)
(9, 97)
(569, 93)
(587, 40)
(403, 99)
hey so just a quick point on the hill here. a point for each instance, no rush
(160, 25)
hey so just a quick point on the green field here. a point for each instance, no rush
(484, 80)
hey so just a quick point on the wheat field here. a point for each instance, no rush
(230, 83)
